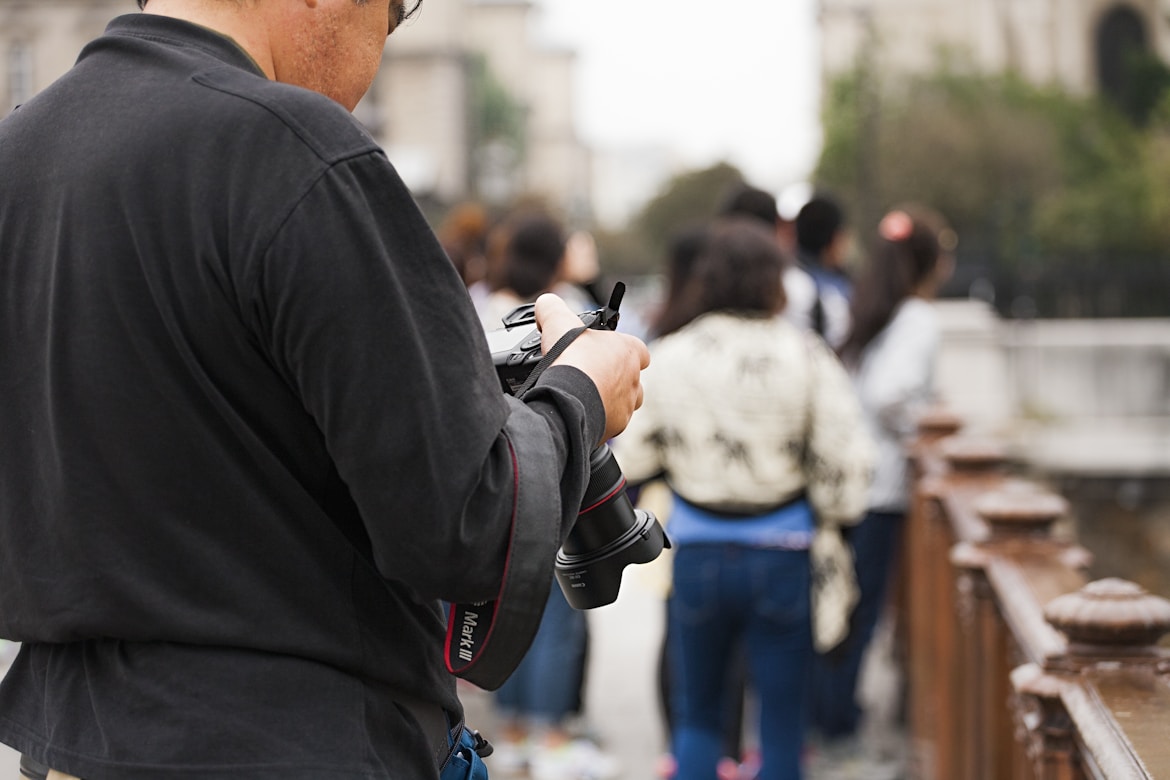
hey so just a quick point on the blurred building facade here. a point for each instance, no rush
(422, 107)
(1081, 45)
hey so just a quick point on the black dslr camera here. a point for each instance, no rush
(609, 533)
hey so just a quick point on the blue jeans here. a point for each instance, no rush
(545, 686)
(464, 763)
(833, 708)
(728, 596)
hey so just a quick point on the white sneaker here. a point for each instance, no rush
(576, 760)
(509, 757)
(851, 758)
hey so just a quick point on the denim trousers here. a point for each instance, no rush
(545, 688)
(833, 708)
(730, 598)
(465, 763)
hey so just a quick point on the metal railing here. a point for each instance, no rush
(1016, 665)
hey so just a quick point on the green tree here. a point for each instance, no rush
(625, 254)
(1028, 170)
(688, 197)
(497, 127)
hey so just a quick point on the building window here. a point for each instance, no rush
(20, 73)
(1129, 73)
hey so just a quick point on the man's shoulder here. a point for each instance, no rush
(319, 123)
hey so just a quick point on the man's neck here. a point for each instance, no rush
(246, 26)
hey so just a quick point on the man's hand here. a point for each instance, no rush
(612, 360)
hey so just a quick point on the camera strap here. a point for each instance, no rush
(606, 319)
(562, 344)
(487, 640)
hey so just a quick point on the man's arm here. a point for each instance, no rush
(363, 314)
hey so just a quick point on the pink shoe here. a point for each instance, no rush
(750, 768)
(727, 769)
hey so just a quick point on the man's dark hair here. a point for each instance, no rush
(533, 255)
(817, 223)
(748, 201)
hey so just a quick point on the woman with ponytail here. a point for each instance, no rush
(890, 354)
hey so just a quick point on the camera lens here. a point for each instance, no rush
(608, 536)
(606, 512)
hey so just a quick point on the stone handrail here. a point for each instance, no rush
(1017, 666)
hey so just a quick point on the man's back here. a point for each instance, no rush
(195, 418)
(253, 436)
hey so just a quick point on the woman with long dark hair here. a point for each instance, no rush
(910, 260)
(890, 355)
(758, 434)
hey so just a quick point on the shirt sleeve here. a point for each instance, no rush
(359, 309)
(898, 380)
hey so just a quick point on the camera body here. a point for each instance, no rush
(515, 347)
(609, 533)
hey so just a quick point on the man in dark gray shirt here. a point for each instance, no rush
(251, 434)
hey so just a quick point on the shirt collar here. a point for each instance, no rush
(183, 33)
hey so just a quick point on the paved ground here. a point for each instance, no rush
(621, 710)
(9, 760)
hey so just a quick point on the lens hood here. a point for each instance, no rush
(593, 578)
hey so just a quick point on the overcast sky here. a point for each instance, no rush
(721, 79)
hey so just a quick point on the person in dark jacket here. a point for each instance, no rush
(821, 243)
(253, 439)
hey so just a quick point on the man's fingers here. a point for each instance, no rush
(612, 361)
(643, 354)
(554, 318)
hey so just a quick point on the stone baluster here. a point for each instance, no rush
(1111, 618)
(1078, 707)
(1019, 517)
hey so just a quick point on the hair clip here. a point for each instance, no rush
(896, 226)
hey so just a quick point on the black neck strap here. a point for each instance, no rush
(486, 641)
(562, 344)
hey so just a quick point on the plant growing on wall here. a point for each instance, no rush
(1035, 180)
(497, 134)
(688, 197)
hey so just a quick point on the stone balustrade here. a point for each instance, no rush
(1017, 665)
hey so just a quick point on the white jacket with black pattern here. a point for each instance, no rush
(747, 413)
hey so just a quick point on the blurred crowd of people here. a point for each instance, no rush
(790, 361)
(257, 454)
